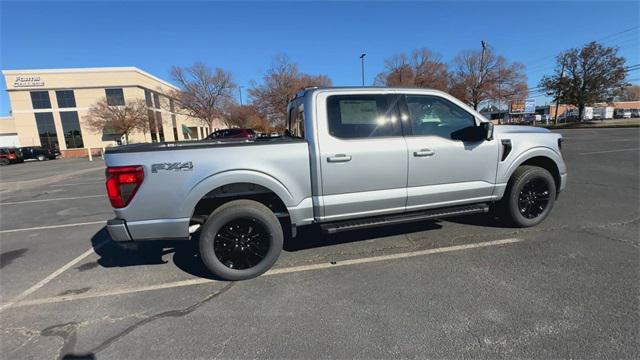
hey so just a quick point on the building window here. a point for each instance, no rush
(152, 126)
(115, 97)
(156, 100)
(66, 99)
(147, 98)
(71, 129)
(159, 126)
(47, 130)
(40, 100)
(193, 134)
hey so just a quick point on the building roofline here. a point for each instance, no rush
(86, 70)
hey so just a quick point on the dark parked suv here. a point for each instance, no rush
(37, 153)
(10, 156)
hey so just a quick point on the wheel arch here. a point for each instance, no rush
(233, 185)
(543, 157)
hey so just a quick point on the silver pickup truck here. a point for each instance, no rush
(352, 158)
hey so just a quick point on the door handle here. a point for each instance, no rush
(423, 152)
(339, 158)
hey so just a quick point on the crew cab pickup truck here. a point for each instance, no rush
(351, 158)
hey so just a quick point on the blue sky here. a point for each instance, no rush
(321, 37)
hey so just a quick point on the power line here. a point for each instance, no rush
(597, 40)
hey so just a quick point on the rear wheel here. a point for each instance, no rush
(529, 197)
(240, 240)
(4, 161)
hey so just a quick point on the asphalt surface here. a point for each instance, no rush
(462, 288)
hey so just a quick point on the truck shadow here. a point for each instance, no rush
(185, 253)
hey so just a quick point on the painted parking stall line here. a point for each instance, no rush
(54, 199)
(52, 227)
(289, 270)
(608, 151)
(51, 276)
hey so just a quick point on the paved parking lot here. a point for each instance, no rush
(465, 287)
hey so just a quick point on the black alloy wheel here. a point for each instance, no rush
(241, 243)
(533, 198)
(240, 240)
(529, 197)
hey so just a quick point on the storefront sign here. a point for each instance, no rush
(28, 81)
(523, 107)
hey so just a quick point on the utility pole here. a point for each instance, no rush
(362, 66)
(484, 50)
(240, 90)
(555, 120)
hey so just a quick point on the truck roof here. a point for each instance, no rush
(362, 88)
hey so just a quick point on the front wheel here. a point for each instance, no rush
(240, 240)
(41, 158)
(529, 197)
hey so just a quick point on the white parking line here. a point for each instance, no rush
(76, 184)
(608, 151)
(294, 269)
(54, 199)
(52, 227)
(51, 276)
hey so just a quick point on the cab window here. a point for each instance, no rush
(296, 121)
(361, 116)
(433, 115)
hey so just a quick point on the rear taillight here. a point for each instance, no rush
(122, 184)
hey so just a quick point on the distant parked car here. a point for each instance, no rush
(232, 134)
(37, 153)
(10, 156)
(635, 113)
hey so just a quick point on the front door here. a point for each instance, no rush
(444, 171)
(363, 156)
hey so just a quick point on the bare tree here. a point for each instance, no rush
(630, 93)
(122, 120)
(422, 69)
(279, 85)
(245, 116)
(479, 76)
(594, 73)
(204, 93)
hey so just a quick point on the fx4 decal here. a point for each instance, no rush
(176, 166)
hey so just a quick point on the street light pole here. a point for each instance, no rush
(362, 66)
(240, 90)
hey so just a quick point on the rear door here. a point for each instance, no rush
(363, 155)
(442, 170)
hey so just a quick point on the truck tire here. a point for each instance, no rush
(529, 196)
(240, 240)
(4, 161)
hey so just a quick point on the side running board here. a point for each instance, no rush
(370, 222)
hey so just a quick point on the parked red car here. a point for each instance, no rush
(232, 134)
(10, 156)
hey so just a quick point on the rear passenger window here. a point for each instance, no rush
(432, 115)
(361, 116)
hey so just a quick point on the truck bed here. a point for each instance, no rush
(199, 144)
